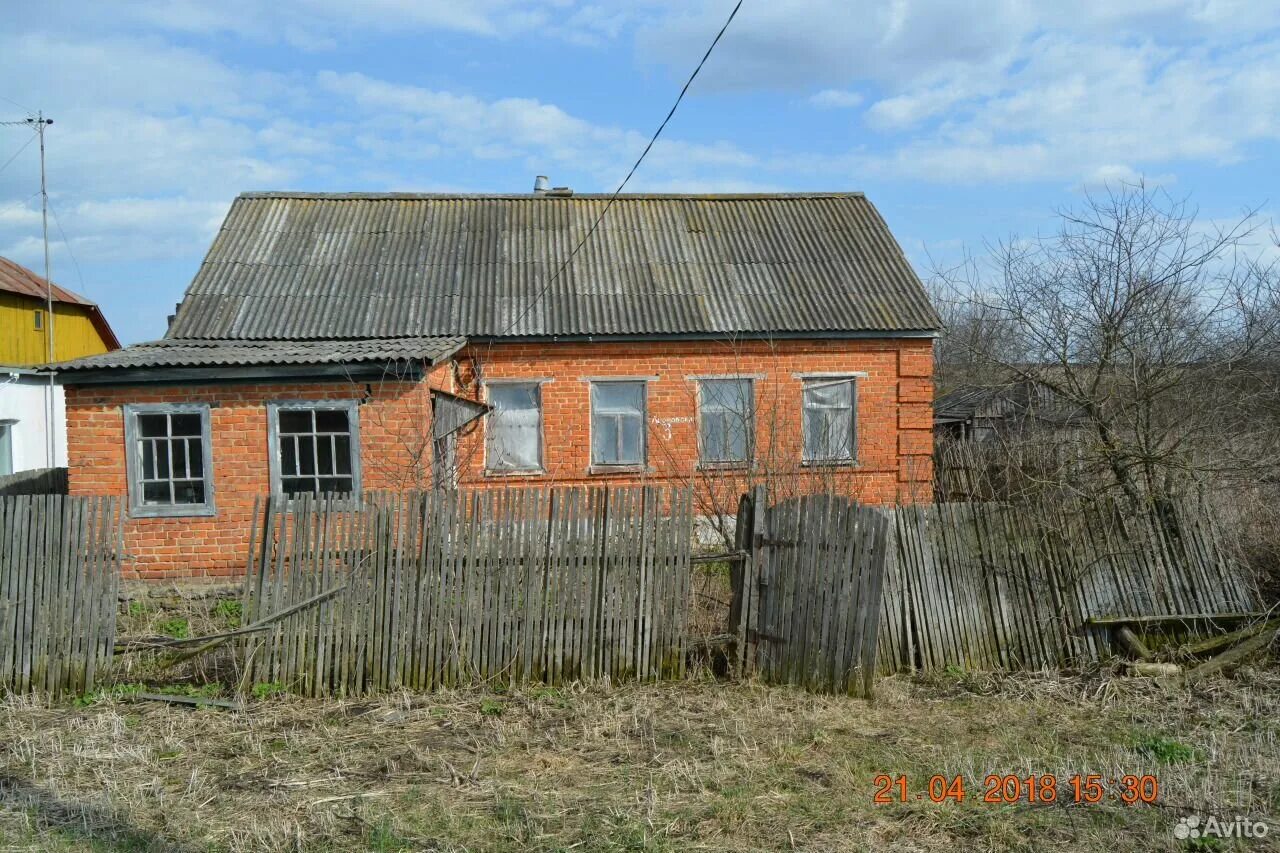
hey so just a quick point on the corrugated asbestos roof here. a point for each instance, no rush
(213, 353)
(15, 278)
(299, 266)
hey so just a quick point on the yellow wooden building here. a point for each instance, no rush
(78, 327)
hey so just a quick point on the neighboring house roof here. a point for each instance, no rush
(15, 278)
(212, 353)
(338, 266)
(995, 402)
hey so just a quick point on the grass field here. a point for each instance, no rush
(697, 765)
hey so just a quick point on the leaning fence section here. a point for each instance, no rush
(988, 585)
(422, 590)
(59, 574)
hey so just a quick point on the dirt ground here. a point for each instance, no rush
(697, 765)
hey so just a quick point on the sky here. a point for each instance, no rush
(964, 122)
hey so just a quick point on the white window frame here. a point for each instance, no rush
(352, 410)
(618, 467)
(138, 507)
(818, 380)
(541, 467)
(703, 462)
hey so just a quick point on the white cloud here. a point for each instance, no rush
(1074, 109)
(152, 142)
(836, 99)
(319, 25)
(519, 128)
(1011, 90)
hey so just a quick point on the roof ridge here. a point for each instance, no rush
(477, 196)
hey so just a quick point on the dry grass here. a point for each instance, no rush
(694, 765)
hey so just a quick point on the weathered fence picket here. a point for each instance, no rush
(806, 606)
(445, 587)
(986, 585)
(59, 575)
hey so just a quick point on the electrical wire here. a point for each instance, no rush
(67, 243)
(16, 104)
(19, 203)
(614, 196)
(22, 148)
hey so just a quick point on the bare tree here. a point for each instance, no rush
(1159, 329)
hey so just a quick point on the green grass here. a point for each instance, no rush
(178, 628)
(228, 611)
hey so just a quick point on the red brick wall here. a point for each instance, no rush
(393, 426)
(894, 431)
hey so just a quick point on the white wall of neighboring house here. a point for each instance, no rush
(24, 401)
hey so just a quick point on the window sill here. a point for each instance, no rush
(724, 466)
(351, 503)
(515, 472)
(173, 511)
(605, 470)
(831, 463)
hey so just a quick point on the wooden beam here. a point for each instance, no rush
(1239, 654)
(1131, 642)
(1174, 619)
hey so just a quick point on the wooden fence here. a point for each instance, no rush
(38, 481)
(807, 600)
(987, 585)
(59, 573)
(420, 590)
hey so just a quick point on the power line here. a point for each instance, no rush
(614, 196)
(20, 203)
(16, 104)
(67, 243)
(21, 148)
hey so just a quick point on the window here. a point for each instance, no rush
(830, 424)
(726, 409)
(169, 461)
(617, 423)
(314, 448)
(513, 431)
(6, 447)
(39, 319)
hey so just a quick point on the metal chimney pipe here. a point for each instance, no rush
(541, 185)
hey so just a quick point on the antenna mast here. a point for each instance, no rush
(50, 414)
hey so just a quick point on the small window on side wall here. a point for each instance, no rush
(39, 319)
(6, 447)
(513, 428)
(169, 461)
(726, 421)
(830, 421)
(315, 448)
(618, 424)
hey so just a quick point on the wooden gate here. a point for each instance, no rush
(806, 601)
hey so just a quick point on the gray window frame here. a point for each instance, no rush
(352, 409)
(541, 467)
(7, 429)
(138, 508)
(832, 379)
(618, 467)
(703, 461)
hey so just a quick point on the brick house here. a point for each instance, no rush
(347, 342)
